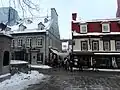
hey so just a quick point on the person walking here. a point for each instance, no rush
(94, 65)
(80, 64)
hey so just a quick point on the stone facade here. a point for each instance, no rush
(97, 40)
(8, 15)
(5, 51)
(35, 43)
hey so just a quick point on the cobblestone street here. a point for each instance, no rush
(59, 79)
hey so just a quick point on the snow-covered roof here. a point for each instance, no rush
(96, 20)
(6, 33)
(95, 34)
(33, 26)
(28, 31)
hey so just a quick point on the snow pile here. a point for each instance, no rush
(18, 62)
(21, 81)
(5, 75)
(40, 66)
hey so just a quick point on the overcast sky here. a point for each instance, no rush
(86, 9)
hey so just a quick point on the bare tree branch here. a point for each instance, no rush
(28, 5)
(14, 4)
(21, 7)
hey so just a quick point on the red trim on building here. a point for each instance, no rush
(76, 27)
(96, 26)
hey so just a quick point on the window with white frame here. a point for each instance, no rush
(84, 46)
(28, 42)
(39, 42)
(13, 43)
(83, 28)
(117, 45)
(106, 45)
(105, 28)
(20, 42)
(95, 45)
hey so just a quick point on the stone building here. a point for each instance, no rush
(98, 40)
(33, 38)
(8, 15)
(5, 51)
(66, 45)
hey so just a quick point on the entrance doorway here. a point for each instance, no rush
(34, 57)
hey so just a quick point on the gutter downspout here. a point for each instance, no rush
(45, 48)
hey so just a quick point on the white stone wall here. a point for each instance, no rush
(112, 45)
(77, 46)
(65, 46)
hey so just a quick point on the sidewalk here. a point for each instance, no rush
(102, 70)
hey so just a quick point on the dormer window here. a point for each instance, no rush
(22, 27)
(105, 27)
(29, 21)
(41, 26)
(8, 29)
(45, 20)
(83, 28)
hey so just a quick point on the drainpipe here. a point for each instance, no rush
(30, 55)
(45, 48)
(72, 47)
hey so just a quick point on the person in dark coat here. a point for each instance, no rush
(71, 65)
(80, 64)
(94, 65)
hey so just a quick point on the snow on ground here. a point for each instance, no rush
(40, 66)
(21, 81)
(18, 62)
(5, 75)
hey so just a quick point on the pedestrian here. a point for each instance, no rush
(80, 64)
(71, 65)
(94, 65)
(66, 64)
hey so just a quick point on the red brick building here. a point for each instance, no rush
(97, 40)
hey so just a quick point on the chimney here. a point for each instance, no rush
(118, 8)
(74, 16)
